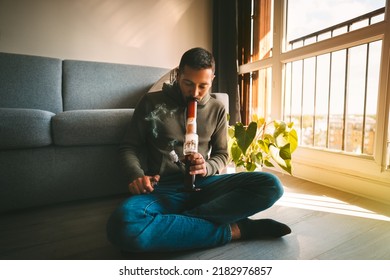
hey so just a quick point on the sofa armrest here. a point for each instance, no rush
(222, 97)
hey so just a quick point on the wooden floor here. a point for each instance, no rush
(326, 223)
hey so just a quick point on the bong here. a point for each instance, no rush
(190, 144)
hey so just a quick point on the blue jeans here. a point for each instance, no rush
(168, 220)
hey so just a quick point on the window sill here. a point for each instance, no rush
(358, 175)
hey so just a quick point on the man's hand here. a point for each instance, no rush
(197, 165)
(143, 185)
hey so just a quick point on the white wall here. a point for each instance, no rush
(145, 32)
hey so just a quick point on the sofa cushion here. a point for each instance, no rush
(98, 85)
(24, 128)
(167, 78)
(30, 82)
(90, 127)
(223, 98)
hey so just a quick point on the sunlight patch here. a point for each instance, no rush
(327, 204)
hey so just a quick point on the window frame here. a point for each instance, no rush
(362, 174)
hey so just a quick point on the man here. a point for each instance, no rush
(158, 216)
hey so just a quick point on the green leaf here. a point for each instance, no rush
(287, 167)
(251, 166)
(235, 152)
(268, 138)
(268, 163)
(293, 139)
(285, 152)
(245, 136)
(275, 155)
(264, 145)
(284, 164)
(231, 131)
(259, 158)
(260, 121)
(280, 128)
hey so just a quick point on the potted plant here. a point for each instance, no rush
(262, 143)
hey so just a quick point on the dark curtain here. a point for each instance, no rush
(225, 53)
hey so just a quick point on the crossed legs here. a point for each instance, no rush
(167, 220)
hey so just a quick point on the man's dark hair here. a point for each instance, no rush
(197, 58)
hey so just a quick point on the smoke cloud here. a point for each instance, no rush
(158, 115)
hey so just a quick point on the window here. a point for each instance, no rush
(255, 44)
(324, 66)
(333, 96)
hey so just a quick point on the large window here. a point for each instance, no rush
(331, 96)
(325, 66)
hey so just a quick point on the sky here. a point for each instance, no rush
(324, 13)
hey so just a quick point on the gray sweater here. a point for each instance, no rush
(158, 127)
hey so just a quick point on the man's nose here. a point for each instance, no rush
(195, 92)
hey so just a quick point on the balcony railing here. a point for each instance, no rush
(332, 97)
(338, 29)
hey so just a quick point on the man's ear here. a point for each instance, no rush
(178, 74)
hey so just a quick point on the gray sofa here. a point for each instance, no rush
(60, 125)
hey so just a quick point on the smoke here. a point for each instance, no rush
(157, 116)
(172, 144)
